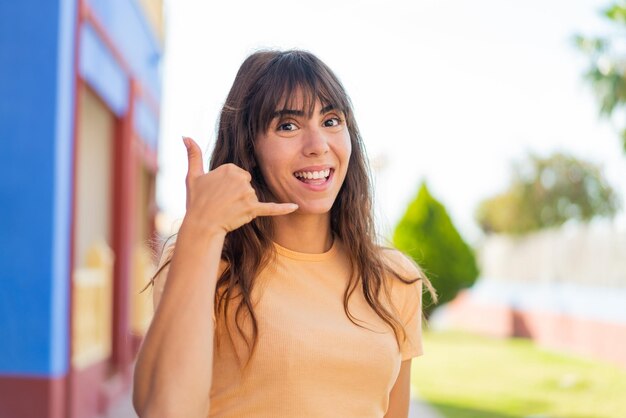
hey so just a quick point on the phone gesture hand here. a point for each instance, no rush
(223, 198)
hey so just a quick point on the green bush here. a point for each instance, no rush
(427, 234)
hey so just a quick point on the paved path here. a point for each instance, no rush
(418, 409)
(123, 409)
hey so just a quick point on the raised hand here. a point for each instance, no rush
(223, 199)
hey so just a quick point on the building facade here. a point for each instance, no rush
(79, 117)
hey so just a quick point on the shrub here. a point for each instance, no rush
(427, 234)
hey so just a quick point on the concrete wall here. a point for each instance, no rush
(564, 288)
(591, 254)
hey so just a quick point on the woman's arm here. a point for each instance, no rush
(174, 366)
(175, 363)
(400, 394)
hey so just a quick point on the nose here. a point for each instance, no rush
(315, 142)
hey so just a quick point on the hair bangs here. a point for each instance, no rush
(294, 81)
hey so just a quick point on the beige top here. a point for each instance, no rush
(310, 360)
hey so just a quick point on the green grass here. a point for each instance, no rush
(467, 376)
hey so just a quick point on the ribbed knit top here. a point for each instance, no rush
(310, 359)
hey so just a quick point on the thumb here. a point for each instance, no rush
(194, 156)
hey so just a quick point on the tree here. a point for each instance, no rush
(546, 192)
(607, 70)
(427, 234)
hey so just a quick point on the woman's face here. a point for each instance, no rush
(304, 160)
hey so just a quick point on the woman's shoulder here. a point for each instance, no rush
(399, 264)
(404, 281)
(406, 277)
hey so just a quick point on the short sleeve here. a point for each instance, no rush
(412, 321)
(407, 299)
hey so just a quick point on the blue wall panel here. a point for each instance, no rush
(36, 108)
(127, 26)
(102, 72)
(146, 124)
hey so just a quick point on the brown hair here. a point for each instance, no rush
(266, 81)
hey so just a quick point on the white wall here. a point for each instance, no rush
(592, 254)
(93, 173)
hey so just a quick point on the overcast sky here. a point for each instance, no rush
(450, 92)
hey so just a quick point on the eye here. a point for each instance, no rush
(334, 121)
(287, 126)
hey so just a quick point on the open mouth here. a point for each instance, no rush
(314, 177)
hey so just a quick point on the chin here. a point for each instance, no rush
(308, 209)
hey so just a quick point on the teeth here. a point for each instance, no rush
(313, 174)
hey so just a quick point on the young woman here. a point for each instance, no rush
(276, 300)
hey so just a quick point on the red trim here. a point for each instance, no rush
(89, 17)
(28, 397)
(150, 100)
(146, 154)
(88, 397)
(125, 180)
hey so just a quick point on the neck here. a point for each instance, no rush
(303, 233)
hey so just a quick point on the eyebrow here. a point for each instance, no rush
(292, 112)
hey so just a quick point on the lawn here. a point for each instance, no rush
(467, 376)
